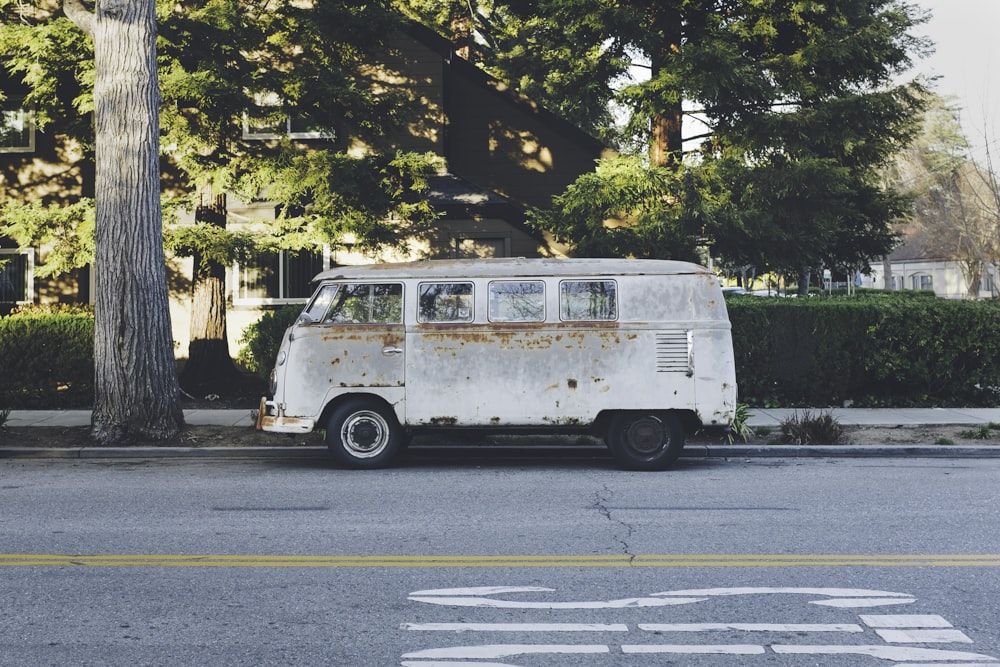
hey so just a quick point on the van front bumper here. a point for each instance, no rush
(271, 417)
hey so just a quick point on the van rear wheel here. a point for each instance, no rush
(645, 440)
(364, 434)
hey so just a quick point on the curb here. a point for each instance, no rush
(690, 452)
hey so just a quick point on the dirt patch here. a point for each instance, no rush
(192, 436)
(247, 436)
(891, 435)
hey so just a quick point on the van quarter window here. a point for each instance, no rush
(445, 302)
(366, 303)
(517, 301)
(588, 300)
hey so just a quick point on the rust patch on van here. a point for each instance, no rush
(571, 383)
(443, 421)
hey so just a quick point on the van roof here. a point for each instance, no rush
(511, 267)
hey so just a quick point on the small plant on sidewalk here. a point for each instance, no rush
(741, 430)
(806, 429)
(4, 414)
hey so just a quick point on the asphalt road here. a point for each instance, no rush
(500, 560)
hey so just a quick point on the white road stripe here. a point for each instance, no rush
(857, 603)
(452, 663)
(905, 621)
(627, 603)
(900, 653)
(935, 636)
(752, 627)
(516, 627)
(483, 590)
(832, 592)
(692, 649)
(490, 651)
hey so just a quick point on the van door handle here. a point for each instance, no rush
(389, 351)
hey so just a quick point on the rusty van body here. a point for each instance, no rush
(636, 351)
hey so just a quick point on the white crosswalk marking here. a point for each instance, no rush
(900, 632)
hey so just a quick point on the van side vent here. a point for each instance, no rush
(673, 352)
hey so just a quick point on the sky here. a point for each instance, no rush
(967, 58)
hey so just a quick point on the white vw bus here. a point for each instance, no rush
(638, 351)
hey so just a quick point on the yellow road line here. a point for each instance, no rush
(499, 561)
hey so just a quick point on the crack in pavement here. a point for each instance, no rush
(600, 503)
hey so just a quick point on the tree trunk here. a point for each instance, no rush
(136, 391)
(209, 368)
(666, 149)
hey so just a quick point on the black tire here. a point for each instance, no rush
(364, 434)
(645, 440)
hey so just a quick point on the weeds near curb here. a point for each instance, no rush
(978, 433)
(806, 429)
(741, 429)
(4, 414)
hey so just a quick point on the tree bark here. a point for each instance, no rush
(666, 146)
(210, 368)
(136, 391)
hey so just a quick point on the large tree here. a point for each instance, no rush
(225, 65)
(136, 392)
(797, 105)
(956, 202)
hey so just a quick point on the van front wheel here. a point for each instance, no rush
(363, 434)
(645, 441)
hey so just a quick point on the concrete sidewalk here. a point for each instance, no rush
(759, 417)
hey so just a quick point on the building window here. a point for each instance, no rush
(274, 126)
(278, 277)
(17, 272)
(922, 281)
(17, 127)
(478, 247)
(987, 285)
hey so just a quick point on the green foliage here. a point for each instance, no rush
(261, 339)
(877, 349)
(48, 359)
(978, 433)
(648, 207)
(67, 231)
(740, 429)
(806, 429)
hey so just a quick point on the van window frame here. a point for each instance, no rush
(337, 301)
(564, 311)
(494, 317)
(471, 299)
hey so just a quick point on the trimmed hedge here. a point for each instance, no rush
(47, 359)
(875, 350)
(870, 350)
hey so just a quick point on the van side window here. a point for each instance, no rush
(588, 300)
(367, 303)
(517, 301)
(445, 302)
(315, 310)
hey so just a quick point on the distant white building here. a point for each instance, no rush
(913, 267)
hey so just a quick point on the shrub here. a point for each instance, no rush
(47, 358)
(875, 349)
(261, 339)
(806, 429)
